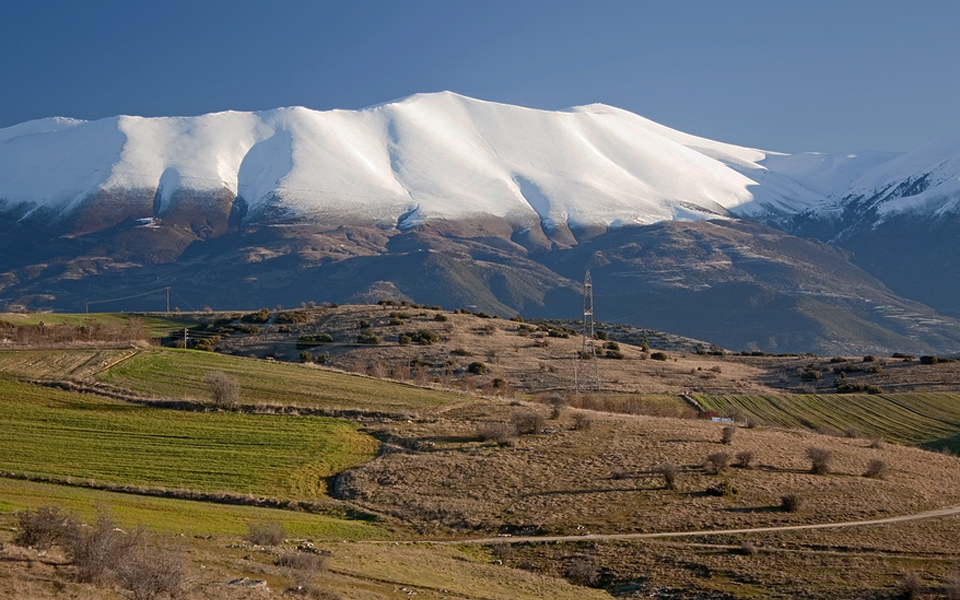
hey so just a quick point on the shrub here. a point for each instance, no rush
(503, 434)
(722, 488)
(853, 433)
(528, 422)
(148, 571)
(476, 368)
(265, 533)
(727, 435)
(869, 358)
(615, 354)
(440, 317)
(669, 473)
(41, 528)
(295, 317)
(424, 337)
(94, 550)
(748, 549)
(368, 337)
(306, 341)
(582, 571)
(876, 469)
(306, 357)
(952, 587)
(302, 567)
(582, 420)
(910, 587)
(876, 443)
(820, 459)
(791, 503)
(746, 459)
(261, 316)
(929, 360)
(658, 356)
(716, 463)
(557, 403)
(224, 390)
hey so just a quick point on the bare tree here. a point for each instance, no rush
(147, 571)
(224, 390)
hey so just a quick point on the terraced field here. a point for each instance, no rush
(54, 433)
(180, 374)
(910, 418)
(178, 516)
(59, 364)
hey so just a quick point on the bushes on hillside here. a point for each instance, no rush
(307, 341)
(103, 554)
(261, 316)
(424, 337)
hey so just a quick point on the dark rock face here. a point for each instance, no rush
(737, 284)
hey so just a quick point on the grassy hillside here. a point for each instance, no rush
(180, 374)
(910, 418)
(54, 433)
(178, 516)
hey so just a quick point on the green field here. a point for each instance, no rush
(180, 373)
(54, 433)
(59, 364)
(155, 326)
(177, 516)
(910, 418)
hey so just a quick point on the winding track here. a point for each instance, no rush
(929, 514)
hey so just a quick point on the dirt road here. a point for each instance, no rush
(930, 514)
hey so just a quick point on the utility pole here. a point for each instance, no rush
(168, 301)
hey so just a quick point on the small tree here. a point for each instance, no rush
(727, 435)
(716, 463)
(528, 422)
(669, 473)
(876, 469)
(224, 390)
(791, 502)
(746, 459)
(820, 460)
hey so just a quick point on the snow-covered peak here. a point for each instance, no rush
(436, 156)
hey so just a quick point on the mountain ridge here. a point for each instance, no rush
(296, 204)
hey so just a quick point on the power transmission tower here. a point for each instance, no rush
(588, 364)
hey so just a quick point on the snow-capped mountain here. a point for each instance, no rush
(450, 200)
(426, 157)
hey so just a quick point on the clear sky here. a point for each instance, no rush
(832, 76)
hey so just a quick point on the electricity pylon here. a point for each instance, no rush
(588, 363)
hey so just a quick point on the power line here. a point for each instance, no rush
(163, 289)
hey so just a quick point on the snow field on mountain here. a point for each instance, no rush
(440, 156)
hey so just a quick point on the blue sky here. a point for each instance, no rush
(832, 76)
